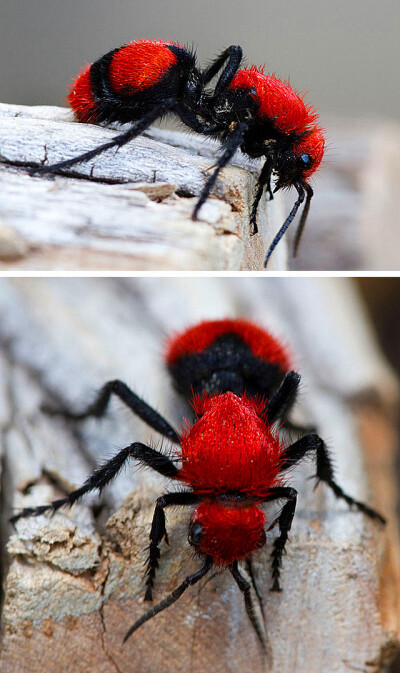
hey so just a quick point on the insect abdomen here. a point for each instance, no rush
(221, 355)
(129, 81)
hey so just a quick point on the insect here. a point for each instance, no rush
(143, 81)
(232, 460)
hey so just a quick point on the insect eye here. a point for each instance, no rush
(195, 532)
(306, 160)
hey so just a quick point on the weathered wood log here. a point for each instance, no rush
(75, 581)
(125, 210)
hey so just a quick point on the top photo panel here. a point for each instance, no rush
(205, 136)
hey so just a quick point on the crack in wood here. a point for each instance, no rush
(101, 612)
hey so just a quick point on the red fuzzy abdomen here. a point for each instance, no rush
(81, 98)
(278, 102)
(197, 338)
(135, 67)
(230, 448)
(139, 65)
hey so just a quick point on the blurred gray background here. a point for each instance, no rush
(345, 53)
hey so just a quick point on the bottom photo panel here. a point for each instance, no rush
(199, 474)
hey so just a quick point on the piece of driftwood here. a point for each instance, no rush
(128, 209)
(75, 581)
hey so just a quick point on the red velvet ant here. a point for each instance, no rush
(142, 81)
(238, 379)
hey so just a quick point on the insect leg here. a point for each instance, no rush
(249, 568)
(119, 140)
(190, 119)
(284, 520)
(104, 474)
(263, 179)
(177, 593)
(233, 55)
(313, 443)
(233, 143)
(158, 532)
(244, 587)
(287, 222)
(128, 397)
(283, 398)
(299, 429)
(280, 403)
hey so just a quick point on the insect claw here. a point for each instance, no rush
(254, 227)
(276, 587)
(317, 482)
(273, 524)
(148, 596)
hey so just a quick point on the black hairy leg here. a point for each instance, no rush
(249, 568)
(232, 56)
(158, 532)
(264, 179)
(284, 521)
(282, 400)
(126, 395)
(168, 105)
(244, 587)
(104, 474)
(231, 144)
(117, 141)
(299, 429)
(314, 444)
(177, 593)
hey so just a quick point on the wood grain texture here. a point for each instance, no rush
(75, 582)
(125, 210)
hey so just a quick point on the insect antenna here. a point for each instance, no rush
(303, 219)
(177, 593)
(244, 587)
(249, 568)
(288, 220)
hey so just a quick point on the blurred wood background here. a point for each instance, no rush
(74, 583)
(355, 215)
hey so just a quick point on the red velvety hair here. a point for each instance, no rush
(196, 339)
